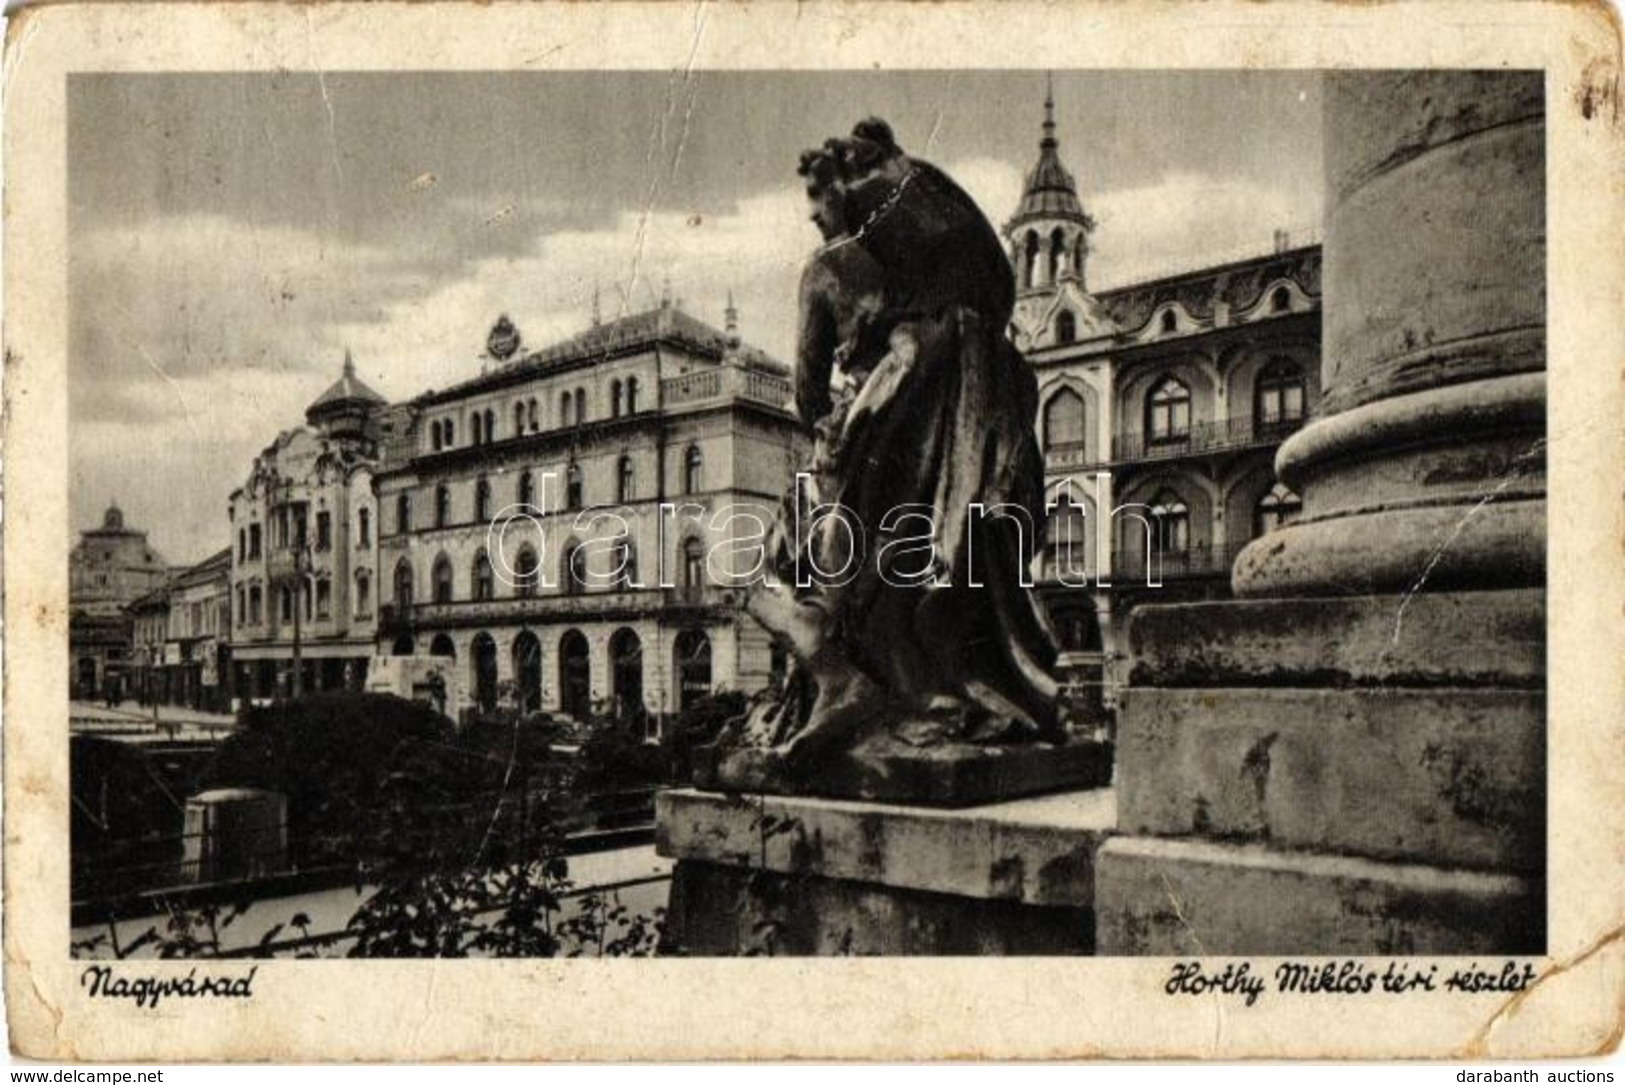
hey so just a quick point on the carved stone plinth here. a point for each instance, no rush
(780, 875)
(885, 768)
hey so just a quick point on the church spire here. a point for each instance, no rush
(1049, 233)
(730, 322)
(1049, 142)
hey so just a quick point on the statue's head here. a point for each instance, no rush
(871, 146)
(825, 176)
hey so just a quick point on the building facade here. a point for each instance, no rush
(1161, 405)
(304, 551)
(574, 526)
(109, 568)
(197, 642)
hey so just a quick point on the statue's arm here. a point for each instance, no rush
(815, 346)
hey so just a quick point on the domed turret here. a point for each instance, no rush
(344, 409)
(113, 519)
(1049, 233)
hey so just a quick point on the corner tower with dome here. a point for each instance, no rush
(304, 548)
(1163, 398)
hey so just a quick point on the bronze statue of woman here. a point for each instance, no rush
(929, 441)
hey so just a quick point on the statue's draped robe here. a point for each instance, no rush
(941, 421)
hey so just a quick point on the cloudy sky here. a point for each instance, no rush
(233, 234)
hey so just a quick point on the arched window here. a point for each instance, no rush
(573, 575)
(490, 424)
(693, 666)
(434, 436)
(581, 405)
(564, 408)
(442, 505)
(254, 603)
(518, 418)
(1066, 328)
(448, 432)
(1173, 519)
(1029, 258)
(442, 579)
(535, 415)
(1064, 419)
(1057, 254)
(1280, 300)
(1168, 411)
(572, 487)
(483, 657)
(1278, 396)
(624, 560)
(482, 500)
(693, 565)
(693, 470)
(527, 488)
(626, 671)
(614, 399)
(403, 513)
(525, 570)
(1275, 510)
(1170, 322)
(484, 582)
(625, 480)
(363, 527)
(631, 395)
(363, 593)
(403, 584)
(575, 675)
(1066, 535)
(478, 424)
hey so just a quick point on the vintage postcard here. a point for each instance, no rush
(746, 531)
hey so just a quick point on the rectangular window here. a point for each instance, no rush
(324, 598)
(324, 531)
(254, 540)
(363, 528)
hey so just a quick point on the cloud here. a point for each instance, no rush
(1187, 221)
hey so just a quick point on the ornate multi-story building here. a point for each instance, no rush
(1161, 405)
(568, 524)
(304, 553)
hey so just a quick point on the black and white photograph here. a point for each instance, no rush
(696, 511)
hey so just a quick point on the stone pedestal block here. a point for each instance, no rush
(791, 875)
(1451, 776)
(1420, 641)
(1205, 898)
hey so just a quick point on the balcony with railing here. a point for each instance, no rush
(1070, 454)
(394, 620)
(726, 382)
(1135, 566)
(1224, 435)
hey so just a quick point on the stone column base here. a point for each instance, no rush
(1163, 897)
(1360, 774)
(796, 876)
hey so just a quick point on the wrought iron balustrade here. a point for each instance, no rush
(1225, 434)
